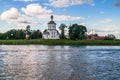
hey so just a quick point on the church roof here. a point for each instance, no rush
(51, 22)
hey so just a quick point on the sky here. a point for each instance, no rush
(102, 16)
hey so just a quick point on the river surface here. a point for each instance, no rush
(38, 62)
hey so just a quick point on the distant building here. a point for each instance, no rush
(51, 32)
(93, 36)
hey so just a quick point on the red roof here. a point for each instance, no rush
(90, 37)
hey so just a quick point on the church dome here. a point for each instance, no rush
(51, 22)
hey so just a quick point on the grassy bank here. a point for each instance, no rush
(60, 42)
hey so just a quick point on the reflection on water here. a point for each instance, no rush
(38, 62)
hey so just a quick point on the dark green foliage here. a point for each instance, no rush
(77, 32)
(62, 28)
(110, 37)
(45, 31)
(36, 34)
(20, 34)
(13, 34)
(95, 34)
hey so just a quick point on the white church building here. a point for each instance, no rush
(51, 32)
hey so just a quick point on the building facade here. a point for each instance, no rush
(92, 36)
(51, 32)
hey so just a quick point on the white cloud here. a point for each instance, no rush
(34, 15)
(66, 3)
(11, 14)
(43, 13)
(36, 9)
(106, 20)
(83, 24)
(60, 3)
(60, 17)
(38, 14)
(67, 18)
(107, 28)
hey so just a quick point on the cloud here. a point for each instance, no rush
(66, 3)
(60, 17)
(107, 28)
(106, 20)
(83, 24)
(15, 17)
(103, 21)
(36, 9)
(117, 3)
(11, 14)
(34, 15)
(66, 18)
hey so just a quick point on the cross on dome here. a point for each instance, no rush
(51, 17)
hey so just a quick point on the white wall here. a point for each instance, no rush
(51, 26)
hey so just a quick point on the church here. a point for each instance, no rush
(51, 32)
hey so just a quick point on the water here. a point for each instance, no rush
(38, 62)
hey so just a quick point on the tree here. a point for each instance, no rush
(77, 32)
(62, 28)
(95, 34)
(20, 34)
(110, 37)
(36, 34)
(45, 31)
(13, 34)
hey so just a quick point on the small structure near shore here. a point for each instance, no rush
(27, 36)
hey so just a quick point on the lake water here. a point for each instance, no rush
(38, 62)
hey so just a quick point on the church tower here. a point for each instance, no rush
(51, 32)
(51, 24)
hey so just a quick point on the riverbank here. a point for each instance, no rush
(60, 42)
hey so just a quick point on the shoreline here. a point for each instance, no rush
(62, 42)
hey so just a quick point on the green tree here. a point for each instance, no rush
(13, 34)
(110, 37)
(36, 34)
(62, 28)
(45, 31)
(95, 34)
(77, 32)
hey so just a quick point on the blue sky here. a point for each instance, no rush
(100, 15)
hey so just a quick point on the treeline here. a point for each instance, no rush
(75, 32)
(20, 34)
